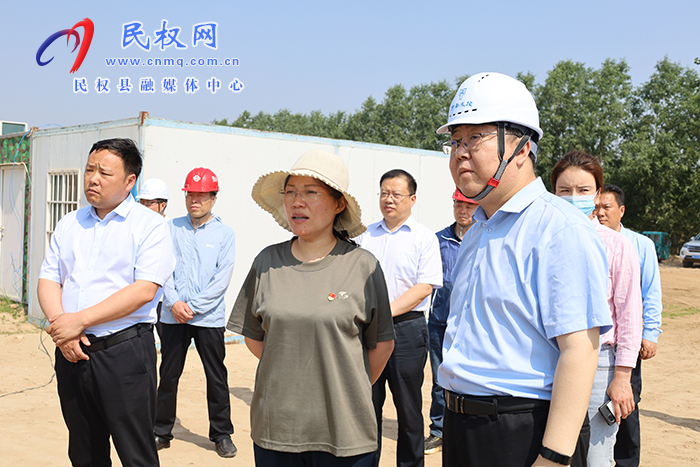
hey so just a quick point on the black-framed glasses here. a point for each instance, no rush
(469, 143)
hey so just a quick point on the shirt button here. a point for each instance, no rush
(488, 229)
(468, 305)
(452, 376)
(457, 346)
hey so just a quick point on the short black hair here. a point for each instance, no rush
(399, 173)
(617, 192)
(127, 151)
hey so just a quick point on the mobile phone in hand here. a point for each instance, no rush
(608, 413)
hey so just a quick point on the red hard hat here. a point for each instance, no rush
(460, 197)
(201, 180)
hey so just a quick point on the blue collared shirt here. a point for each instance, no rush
(534, 271)
(93, 258)
(449, 248)
(409, 255)
(203, 272)
(651, 283)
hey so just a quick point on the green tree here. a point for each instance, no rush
(659, 169)
(648, 138)
(583, 109)
(364, 124)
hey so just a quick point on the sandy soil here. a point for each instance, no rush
(32, 431)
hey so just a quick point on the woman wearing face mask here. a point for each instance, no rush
(578, 178)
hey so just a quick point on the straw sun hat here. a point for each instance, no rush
(321, 165)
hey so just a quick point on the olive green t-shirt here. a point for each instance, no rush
(312, 387)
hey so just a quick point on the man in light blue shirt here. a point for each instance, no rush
(194, 309)
(610, 210)
(530, 294)
(409, 254)
(98, 287)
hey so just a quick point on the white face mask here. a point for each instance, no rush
(585, 203)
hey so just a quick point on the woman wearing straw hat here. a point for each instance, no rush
(316, 312)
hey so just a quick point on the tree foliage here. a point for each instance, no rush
(648, 137)
(402, 118)
(660, 154)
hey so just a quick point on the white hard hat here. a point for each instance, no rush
(153, 188)
(493, 97)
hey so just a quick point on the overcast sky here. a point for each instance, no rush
(313, 55)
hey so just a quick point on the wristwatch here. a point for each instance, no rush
(555, 456)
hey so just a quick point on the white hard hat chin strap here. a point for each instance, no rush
(496, 179)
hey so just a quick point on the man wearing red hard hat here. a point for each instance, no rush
(450, 239)
(194, 309)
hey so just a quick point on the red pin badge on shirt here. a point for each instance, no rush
(331, 297)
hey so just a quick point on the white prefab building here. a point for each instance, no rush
(238, 156)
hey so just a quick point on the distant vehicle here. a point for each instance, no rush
(662, 243)
(690, 252)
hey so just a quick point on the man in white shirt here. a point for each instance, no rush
(410, 257)
(99, 287)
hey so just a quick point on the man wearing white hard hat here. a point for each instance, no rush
(529, 298)
(154, 195)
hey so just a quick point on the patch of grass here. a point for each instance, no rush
(676, 311)
(15, 310)
(13, 318)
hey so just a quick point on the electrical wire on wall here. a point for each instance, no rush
(18, 269)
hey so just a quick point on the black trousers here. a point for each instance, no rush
(112, 394)
(209, 342)
(269, 458)
(628, 445)
(159, 325)
(510, 440)
(404, 373)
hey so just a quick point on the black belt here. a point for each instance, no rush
(491, 405)
(100, 343)
(408, 315)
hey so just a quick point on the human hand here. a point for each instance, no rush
(65, 327)
(72, 351)
(181, 312)
(620, 392)
(648, 349)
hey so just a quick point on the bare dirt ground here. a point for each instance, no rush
(32, 431)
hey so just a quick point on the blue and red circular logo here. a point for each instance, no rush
(88, 30)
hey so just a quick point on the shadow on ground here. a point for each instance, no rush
(691, 423)
(242, 394)
(181, 433)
